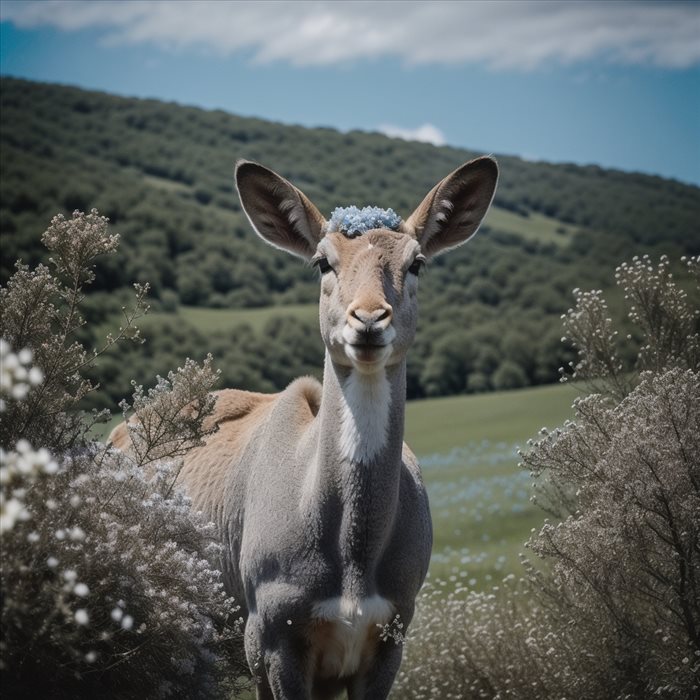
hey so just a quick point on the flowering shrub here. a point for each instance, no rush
(109, 579)
(17, 375)
(611, 606)
(40, 314)
(497, 644)
(666, 326)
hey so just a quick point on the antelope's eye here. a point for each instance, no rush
(323, 265)
(416, 266)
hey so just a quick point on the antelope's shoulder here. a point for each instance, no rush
(231, 405)
(235, 404)
(300, 402)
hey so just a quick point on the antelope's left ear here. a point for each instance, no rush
(452, 211)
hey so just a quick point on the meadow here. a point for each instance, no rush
(208, 320)
(479, 498)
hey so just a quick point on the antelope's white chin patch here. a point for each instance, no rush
(368, 359)
(366, 399)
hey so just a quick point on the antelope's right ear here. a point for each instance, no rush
(280, 213)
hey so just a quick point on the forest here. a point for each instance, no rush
(163, 174)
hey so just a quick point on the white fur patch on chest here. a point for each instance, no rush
(365, 415)
(347, 639)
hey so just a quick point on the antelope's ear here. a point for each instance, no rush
(279, 212)
(451, 212)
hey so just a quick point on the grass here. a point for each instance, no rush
(438, 425)
(163, 183)
(535, 227)
(479, 499)
(207, 320)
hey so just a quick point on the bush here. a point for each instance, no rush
(109, 580)
(611, 606)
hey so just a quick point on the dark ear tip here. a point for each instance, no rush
(247, 167)
(486, 164)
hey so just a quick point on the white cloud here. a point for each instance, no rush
(427, 133)
(520, 35)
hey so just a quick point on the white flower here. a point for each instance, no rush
(77, 534)
(19, 391)
(11, 362)
(81, 589)
(25, 356)
(36, 376)
(11, 512)
(81, 616)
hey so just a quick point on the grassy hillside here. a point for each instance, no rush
(163, 174)
(217, 320)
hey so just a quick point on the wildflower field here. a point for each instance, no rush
(479, 499)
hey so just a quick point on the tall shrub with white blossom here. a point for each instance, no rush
(609, 607)
(109, 579)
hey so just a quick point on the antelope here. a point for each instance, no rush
(319, 503)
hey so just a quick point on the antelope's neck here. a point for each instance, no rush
(358, 463)
(362, 418)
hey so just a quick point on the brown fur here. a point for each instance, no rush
(236, 413)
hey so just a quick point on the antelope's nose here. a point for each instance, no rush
(376, 319)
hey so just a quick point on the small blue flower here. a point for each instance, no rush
(354, 222)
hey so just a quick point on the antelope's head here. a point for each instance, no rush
(368, 308)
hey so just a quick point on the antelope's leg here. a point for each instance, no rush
(376, 682)
(277, 661)
(254, 655)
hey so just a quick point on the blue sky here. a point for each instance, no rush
(614, 83)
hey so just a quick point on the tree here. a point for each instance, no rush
(509, 375)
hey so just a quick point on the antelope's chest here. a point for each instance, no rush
(344, 633)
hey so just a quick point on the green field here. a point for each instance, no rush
(206, 320)
(438, 425)
(479, 499)
(534, 227)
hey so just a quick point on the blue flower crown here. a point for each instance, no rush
(352, 221)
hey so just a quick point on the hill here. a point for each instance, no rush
(163, 174)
